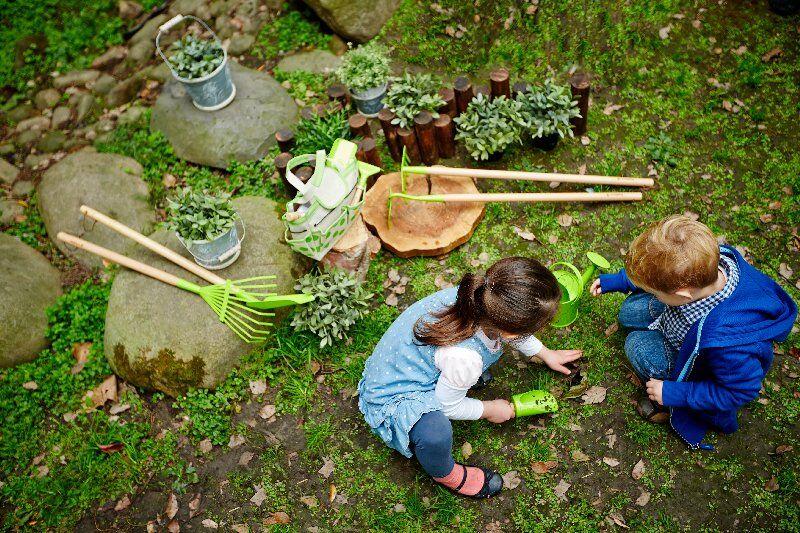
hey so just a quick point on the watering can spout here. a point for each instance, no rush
(572, 282)
(596, 262)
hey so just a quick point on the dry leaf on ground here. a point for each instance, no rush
(785, 270)
(259, 496)
(30, 385)
(524, 234)
(543, 467)
(80, 351)
(610, 108)
(391, 300)
(173, 526)
(123, 503)
(327, 468)
(236, 440)
(194, 505)
(643, 499)
(268, 411)
(772, 54)
(610, 461)
(209, 524)
(310, 501)
(595, 394)
(561, 490)
(111, 448)
(205, 445)
(638, 470)
(511, 480)
(278, 517)
(172, 506)
(663, 33)
(245, 458)
(106, 391)
(118, 408)
(564, 220)
(258, 387)
(771, 485)
(617, 519)
(466, 450)
(579, 457)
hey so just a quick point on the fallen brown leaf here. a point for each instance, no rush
(466, 450)
(245, 458)
(543, 467)
(205, 445)
(111, 448)
(266, 412)
(118, 408)
(80, 351)
(259, 496)
(785, 271)
(524, 234)
(194, 505)
(209, 524)
(169, 180)
(561, 490)
(638, 470)
(610, 330)
(610, 108)
(564, 220)
(391, 300)
(511, 480)
(327, 468)
(173, 526)
(595, 394)
(309, 501)
(258, 387)
(772, 54)
(643, 499)
(617, 519)
(30, 385)
(236, 440)
(783, 448)
(331, 493)
(663, 33)
(610, 461)
(106, 391)
(278, 517)
(172, 506)
(579, 457)
(771, 485)
(123, 503)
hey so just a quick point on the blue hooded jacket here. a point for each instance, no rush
(725, 355)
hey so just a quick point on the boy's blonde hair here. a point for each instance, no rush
(674, 253)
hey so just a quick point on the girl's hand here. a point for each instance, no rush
(556, 359)
(498, 411)
(595, 289)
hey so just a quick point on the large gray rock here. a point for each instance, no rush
(110, 183)
(244, 130)
(316, 61)
(160, 337)
(8, 172)
(358, 20)
(28, 286)
(76, 77)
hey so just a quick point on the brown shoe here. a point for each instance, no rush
(651, 411)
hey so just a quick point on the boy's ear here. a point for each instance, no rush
(683, 293)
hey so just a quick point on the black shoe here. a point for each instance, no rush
(483, 381)
(492, 484)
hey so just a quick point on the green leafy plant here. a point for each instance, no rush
(319, 131)
(489, 126)
(548, 109)
(660, 149)
(195, 58)
(365, 67)
(412, 93)
(288, 33)
(197, 216)
(340, 301)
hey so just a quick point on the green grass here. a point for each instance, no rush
(292, 31)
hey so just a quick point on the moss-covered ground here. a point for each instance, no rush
(706, 100)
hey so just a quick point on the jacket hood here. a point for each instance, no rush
(757, 310)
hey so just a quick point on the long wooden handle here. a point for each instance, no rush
(120, 259)
(532, 176)
(542, 197)
(152, 245)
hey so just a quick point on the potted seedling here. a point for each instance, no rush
(412, 93)
(201, 65)
(207, 226)
(547, 111)
(365, 70)
(488, 127)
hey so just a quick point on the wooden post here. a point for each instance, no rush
(499, 81)
(520, 87)
(368, 153)
(285, 140)
(426, 137)
(484, 90)
(338, 92)
(409, 141)
(359, 126)
(304, 173)
(580, 92)
(445, 136)
(281, 161)
(462, 88)
(307, 113)
(386, 116)
(449, 107)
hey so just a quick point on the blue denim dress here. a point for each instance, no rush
(399, 380)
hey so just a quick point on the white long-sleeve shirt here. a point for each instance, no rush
(462, 367)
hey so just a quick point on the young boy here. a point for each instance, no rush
(701, 324)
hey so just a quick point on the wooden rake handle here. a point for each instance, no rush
(152, 245)
(541, 197)
(120, 259)
(532, 176)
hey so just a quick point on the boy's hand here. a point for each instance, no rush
(595, 289)
(498, 411)
(556, 359)
(654, 388)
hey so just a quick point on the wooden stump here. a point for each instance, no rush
(445, 136)
(426, 138)
(354, 251)
(386, 116)
(462, 89)
(580, 92)
(338, 93)
(422, 228)
(285, 139)
(499, 81)
(408, 140)
(359, 126)
(449, 97)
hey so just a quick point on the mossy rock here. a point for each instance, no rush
(162, 338)
(29, 285)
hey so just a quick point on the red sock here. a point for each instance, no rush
(472, 485)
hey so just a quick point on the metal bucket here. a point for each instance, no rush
(220, 252)
(211, 92)
(370, 102)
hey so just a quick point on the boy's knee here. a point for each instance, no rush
(634, 312)
(647, 354)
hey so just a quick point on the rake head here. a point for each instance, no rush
(407, 168)
(403, 196)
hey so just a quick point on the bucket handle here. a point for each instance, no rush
(574, 269)
(174, 21)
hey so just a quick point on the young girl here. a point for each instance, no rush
(417, 378)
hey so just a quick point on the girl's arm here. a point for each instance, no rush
(460, 370)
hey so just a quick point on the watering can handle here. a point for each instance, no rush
(174, 21)
(171, 23)
(569, 266)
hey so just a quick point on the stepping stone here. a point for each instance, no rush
(242, 131)
(163, 338)
(110, 183)
(316, 61)
(357, 20)
(8, 172)
(29, 285)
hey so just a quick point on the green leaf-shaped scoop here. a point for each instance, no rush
(535, 402)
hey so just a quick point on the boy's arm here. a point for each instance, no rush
(619, 282)
(737, 380)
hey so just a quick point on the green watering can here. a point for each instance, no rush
(535, 402)
(572, 282)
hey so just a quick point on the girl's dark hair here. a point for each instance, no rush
(517, 295)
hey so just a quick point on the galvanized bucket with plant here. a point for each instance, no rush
(412, 93)
(201, 65)
(365, 70)
(489, 126)
(207, 226)
(339, 301)
(547, 111)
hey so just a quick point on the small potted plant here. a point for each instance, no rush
(201, 65)
(207, 226)
(489, 126)
(547, 111)
(365, 70)
(412, 93)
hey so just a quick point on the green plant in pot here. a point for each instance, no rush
(365, 70)
(340, 300)
(547, 111)
(412, 93)
(208, 226)
(489, 126)
(201, 65)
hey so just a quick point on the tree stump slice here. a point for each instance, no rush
(422, 228)
(354, 251)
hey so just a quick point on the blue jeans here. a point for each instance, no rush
(647, 350)
(432, 443)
